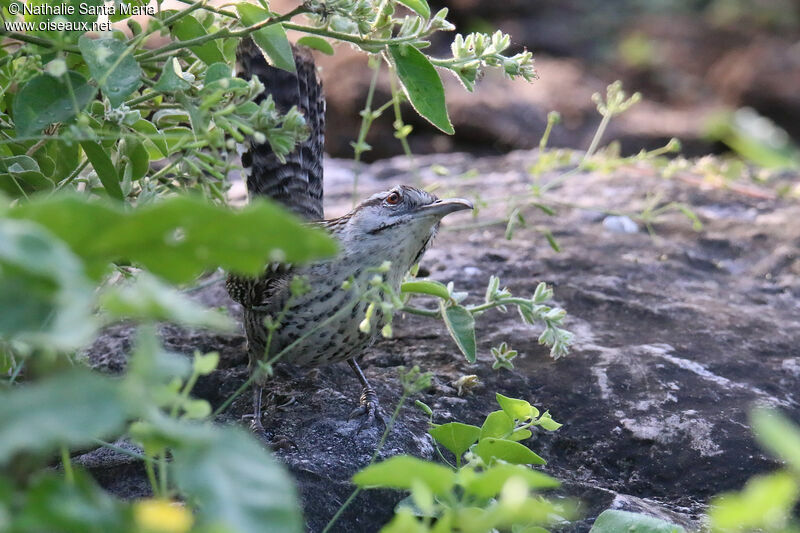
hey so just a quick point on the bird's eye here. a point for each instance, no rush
(393, 198)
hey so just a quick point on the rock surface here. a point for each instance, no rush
(679, 335)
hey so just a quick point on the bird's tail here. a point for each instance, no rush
(297, 182)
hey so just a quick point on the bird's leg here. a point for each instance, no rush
(256, 424)
(370, 408)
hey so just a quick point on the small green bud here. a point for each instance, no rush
(386, 331)
(424, 407)
(554, 117)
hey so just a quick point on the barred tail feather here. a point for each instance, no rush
(297, 182)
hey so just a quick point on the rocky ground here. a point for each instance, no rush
(678, 336)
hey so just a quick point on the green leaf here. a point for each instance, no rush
(546, 422)
(401, 471)
(70, 409)
(52, 503)
(516, 409)
(456, 437)
(766, 503)
(777, 434)
(104, 168)
(551, 240)
(149, 299)
(45, 100)
(151, 371)
(113, 67)
(461, 326)
(271, 39)
(509, 451)
(404, 521)
(426, 286)
(205, 364)
(179, 237)
(317, 43)
(155, 143)
(520, 434)
(489, 483)
(613, 521)
(21, 171)
(234, 481)
(196, 409)
(66, 157)
(216, 72)
(497, 424)
(187, 28)
(420, 7)
(422, 85)
(45, 285)
(138, 158)
(171, 79)
(80, 13)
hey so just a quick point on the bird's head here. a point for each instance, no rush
(403, 210)
(400, 223)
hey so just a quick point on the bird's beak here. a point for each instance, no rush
(441, 208)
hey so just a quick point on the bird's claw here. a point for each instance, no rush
(282, 442)
(369, 411)
(256, 426)
(277, 442)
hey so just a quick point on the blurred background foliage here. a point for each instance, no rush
(720, 75)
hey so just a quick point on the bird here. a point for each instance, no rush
(389, 231)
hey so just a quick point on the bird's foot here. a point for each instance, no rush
(276, 442)
(281, 442)
(369, 411)
(255, 425)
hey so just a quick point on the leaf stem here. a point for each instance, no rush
(32, 39)
(381, 443)
(366, 122)
(69, 475)
(222, 34)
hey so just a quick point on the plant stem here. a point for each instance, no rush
(118, 449)
(32, 39)
(162, 474)
(151, 476)
(69, 475)
(222, 34)
(348, 37)
(218, 11)
(381, 443)
(419, 311)
(601, 129)
(366, 123)
(399, 125)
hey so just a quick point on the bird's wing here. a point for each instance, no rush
(296, 183)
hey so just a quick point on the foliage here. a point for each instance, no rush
(612, 521)
(101, 139)
(460, 322)
(110, 107)
(490, 486)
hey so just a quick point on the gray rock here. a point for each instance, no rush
(678, 337)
